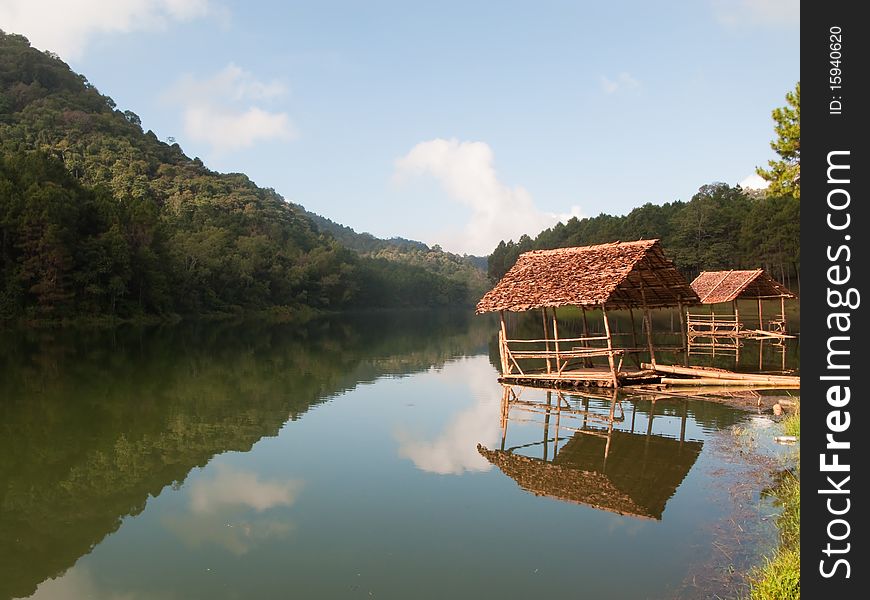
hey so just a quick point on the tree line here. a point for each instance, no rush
(721, 227)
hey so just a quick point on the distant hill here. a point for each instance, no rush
(467, 270)
(362, 242)
(98, 217)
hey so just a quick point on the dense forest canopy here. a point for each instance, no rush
(721, 227)
(98, 217)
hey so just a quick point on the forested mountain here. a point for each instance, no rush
(468, 270)
(98, 217)
(721, 227)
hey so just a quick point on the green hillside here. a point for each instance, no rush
(98, 217)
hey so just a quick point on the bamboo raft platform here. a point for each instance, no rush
(668, 376)
(600, 377)
(711, 376)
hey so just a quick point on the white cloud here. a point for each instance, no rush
(466, 172)
(218, 110)
(623, 81)
(754, 182)
(738, 13)
(67, 26)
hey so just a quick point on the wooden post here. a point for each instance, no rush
(782, 311)
(587, 362)
(760, 321)
(556, 342)
(546, 339)
(648, 319)
(503, 347)
(736, 333)
(683, 334)
(633, 338)
(609, 346)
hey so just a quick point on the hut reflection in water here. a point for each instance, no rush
(604, 462)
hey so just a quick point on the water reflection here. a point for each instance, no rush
(221, 507)
(604, 463)
(230, 488)
(94, 424)
(452, 451)
(80, 583)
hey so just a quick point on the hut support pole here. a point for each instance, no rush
(587, 362)
(503, 347)
(546, 338)
(713, 329)
(683, 335)
(556, 342)
(760, 321)
(736, 332)
(633, 338)
(648, 320)
(782, 311)
(609, 346)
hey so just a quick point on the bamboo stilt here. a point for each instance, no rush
(760, 321)
(588, 361)
(648, 320)
(556, 341)
(609, 346)
(503, 347)
(736, 331)
(713, 339)
(684, 336)
(782, 312)
(633, 337)
(546, 340)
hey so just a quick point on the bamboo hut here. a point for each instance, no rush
(618, 275)
(721, 330)
(626, 472)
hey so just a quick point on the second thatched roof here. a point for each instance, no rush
(618, 274)
(724, 286)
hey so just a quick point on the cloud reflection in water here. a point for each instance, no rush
(454, 450)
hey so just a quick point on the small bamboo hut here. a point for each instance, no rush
(722, 330)
(618, 275)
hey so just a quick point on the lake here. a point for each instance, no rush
(358, 457)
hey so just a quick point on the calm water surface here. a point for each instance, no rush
(345, 459)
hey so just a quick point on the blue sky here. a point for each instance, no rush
(458, 123)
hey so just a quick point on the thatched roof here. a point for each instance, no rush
(724, 286)
(588, 276)
(639, 477)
